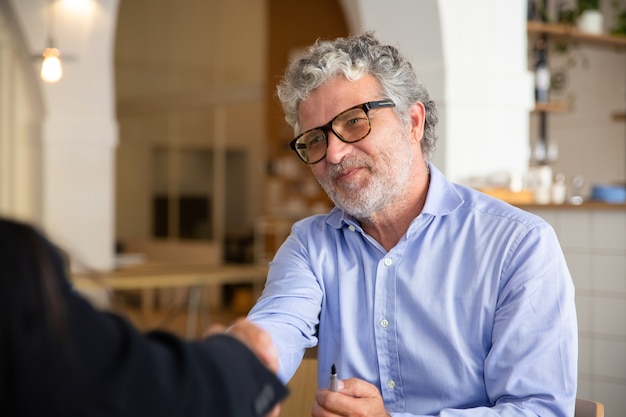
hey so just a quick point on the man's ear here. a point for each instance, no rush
(417, 117)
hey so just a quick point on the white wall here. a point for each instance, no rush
(21, 109)
(472, 58)
(78, 131)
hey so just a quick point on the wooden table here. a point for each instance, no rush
(159, 275)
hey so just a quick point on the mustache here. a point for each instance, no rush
(347, 163)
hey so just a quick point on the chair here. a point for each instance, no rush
(588, 408)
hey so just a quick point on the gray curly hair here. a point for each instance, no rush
(354, 57)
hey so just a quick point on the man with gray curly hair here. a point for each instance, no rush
(427, 297)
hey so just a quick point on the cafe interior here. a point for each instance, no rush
(145, 138)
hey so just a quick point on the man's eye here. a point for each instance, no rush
(355, 121)
(315, 140)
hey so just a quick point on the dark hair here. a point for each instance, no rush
(353, 57)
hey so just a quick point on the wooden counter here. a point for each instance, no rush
(589, 205)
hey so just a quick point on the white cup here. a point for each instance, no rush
(591, 21)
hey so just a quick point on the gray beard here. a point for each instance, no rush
(383, 188)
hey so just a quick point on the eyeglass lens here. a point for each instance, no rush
(350, 126)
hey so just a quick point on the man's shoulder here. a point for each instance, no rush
(333, 219)
(313, 220)
(479, 203)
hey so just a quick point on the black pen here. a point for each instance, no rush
(333, 379)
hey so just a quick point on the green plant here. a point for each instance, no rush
(620, 24)
(620, 19)
(565, 13)
(584, 5)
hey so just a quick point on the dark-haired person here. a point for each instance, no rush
(430, 298)
(61, 357)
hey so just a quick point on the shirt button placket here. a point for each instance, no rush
(384, 326)
(384, 323)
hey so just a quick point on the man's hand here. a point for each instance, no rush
(257, 339)
(356, 398)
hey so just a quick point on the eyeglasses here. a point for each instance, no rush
(349, 126)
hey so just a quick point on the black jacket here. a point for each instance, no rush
(61, 357)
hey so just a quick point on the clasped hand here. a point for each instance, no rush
(257, 340)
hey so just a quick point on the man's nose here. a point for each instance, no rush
(337, 149)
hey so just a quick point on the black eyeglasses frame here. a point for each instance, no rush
(328, 127)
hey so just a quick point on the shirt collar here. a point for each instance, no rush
(442, 199)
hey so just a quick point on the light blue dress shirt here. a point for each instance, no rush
(470, 314)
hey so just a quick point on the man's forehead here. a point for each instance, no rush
(336, 95)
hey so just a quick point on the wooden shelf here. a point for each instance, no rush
(571, 34)
(551, 107)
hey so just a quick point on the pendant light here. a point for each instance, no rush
(51, 68)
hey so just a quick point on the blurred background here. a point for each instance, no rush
(164, 127)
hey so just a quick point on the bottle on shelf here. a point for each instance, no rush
(542, 71)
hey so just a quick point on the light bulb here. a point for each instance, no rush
(51, 70)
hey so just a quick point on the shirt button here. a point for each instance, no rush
(388, 261)
(351, 228)
(391, 384)
(384, 323)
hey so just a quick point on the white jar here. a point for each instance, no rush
(559, 189)
(591, 21)
(543, 187)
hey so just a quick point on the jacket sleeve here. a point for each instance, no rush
(98, 364)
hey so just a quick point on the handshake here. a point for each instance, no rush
(260, 343)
